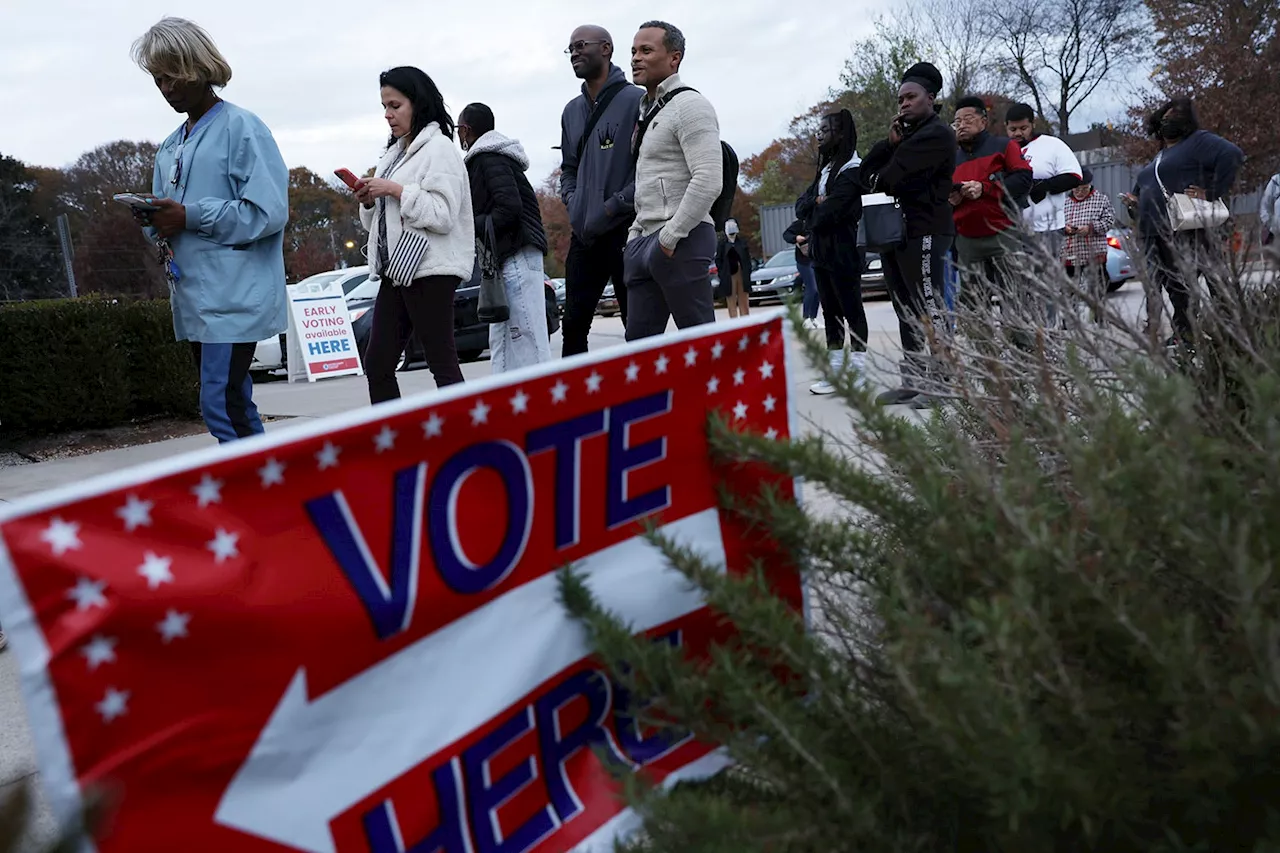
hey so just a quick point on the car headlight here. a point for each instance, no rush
(360, 312)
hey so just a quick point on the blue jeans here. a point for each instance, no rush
(810, 282)
(226, 389)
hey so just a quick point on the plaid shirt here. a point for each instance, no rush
(1083, 249)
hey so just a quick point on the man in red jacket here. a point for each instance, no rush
(991, 182)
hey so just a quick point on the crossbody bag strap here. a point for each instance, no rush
(1167, 195)
(606, 96)
(643, 127)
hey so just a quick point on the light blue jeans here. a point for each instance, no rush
(522, 340)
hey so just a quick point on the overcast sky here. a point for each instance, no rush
(310, 69)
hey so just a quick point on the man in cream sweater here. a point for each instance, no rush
(679, 175)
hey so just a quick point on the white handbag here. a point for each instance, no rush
(1191, 214)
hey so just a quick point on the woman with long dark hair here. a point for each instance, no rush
(1202, 165)
(417, 209)
(831, 208)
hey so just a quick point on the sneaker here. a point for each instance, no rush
(858, 364)
(897, 397)
(822, 387)
(811, 324)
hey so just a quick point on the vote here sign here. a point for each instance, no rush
(345, 637)
(320, 338)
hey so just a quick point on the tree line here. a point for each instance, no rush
(110, 253)
(1057, 55)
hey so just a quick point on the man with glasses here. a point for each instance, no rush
(990, 182)
(597, 180)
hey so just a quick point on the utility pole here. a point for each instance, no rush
(68, 253)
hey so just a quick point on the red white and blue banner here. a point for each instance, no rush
(345, 637)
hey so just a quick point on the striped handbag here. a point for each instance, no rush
(410, 249)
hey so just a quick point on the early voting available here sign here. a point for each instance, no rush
(345, 636)
(320, 338)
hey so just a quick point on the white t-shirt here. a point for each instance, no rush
(1049, 157)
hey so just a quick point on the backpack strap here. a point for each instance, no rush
(645, 121)
(609, 93)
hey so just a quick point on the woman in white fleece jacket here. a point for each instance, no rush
(420, 185)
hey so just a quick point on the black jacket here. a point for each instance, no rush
(722, 262)
(833, 225)
(500, 189)
(917, 172)
(794, 230)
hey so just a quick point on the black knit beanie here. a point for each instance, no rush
(925, 74)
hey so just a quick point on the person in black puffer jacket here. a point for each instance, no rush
(502, 194)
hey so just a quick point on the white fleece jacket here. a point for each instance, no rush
(436, 199)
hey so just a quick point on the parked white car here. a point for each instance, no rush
(272, 353)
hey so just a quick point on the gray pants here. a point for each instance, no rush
(659, 288)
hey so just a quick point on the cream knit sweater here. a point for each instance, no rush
(680, 171)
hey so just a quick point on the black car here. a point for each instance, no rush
(470, 335)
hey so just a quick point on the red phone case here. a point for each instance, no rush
(347, 177)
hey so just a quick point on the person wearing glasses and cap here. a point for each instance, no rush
(221, 194)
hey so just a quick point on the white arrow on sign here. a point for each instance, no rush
(316, 758)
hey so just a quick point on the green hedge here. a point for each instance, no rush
(91, 362)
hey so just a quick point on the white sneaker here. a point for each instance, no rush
(822, 387)
(811, 324)
(858, 364)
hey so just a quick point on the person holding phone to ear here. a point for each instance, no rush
(220, 193)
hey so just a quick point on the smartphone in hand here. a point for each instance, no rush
(136, 201)
(347, 177)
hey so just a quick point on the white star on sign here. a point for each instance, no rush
(739, 411)
(593, 383)
(173, 626)
(717, 351)
(156, 570)
(272, 474)
(766, 371)
(135, 513)
(713, 386)
(739, 376)
(328, 456)
(62, 536)
(633, 372)
(224, 545)
(385, 440)
(770, 403)
(660, 366)
(88, 593)
(480, 413)
(764, 337)
(559, 392)
(691, 357)
(772, 434)
(113, 705)
(208, 491)
(744, 343)
(99, 650)
(433, 426)
(520, 403)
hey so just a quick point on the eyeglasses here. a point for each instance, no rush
(579, 46)
(176, 172)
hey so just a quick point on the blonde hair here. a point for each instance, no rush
(181, 50)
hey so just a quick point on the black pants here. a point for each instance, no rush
(425, 309)
(1176, 264)
(226, 389)
(840, 292)
(587, 270)
(661, 288)
(916, 276)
